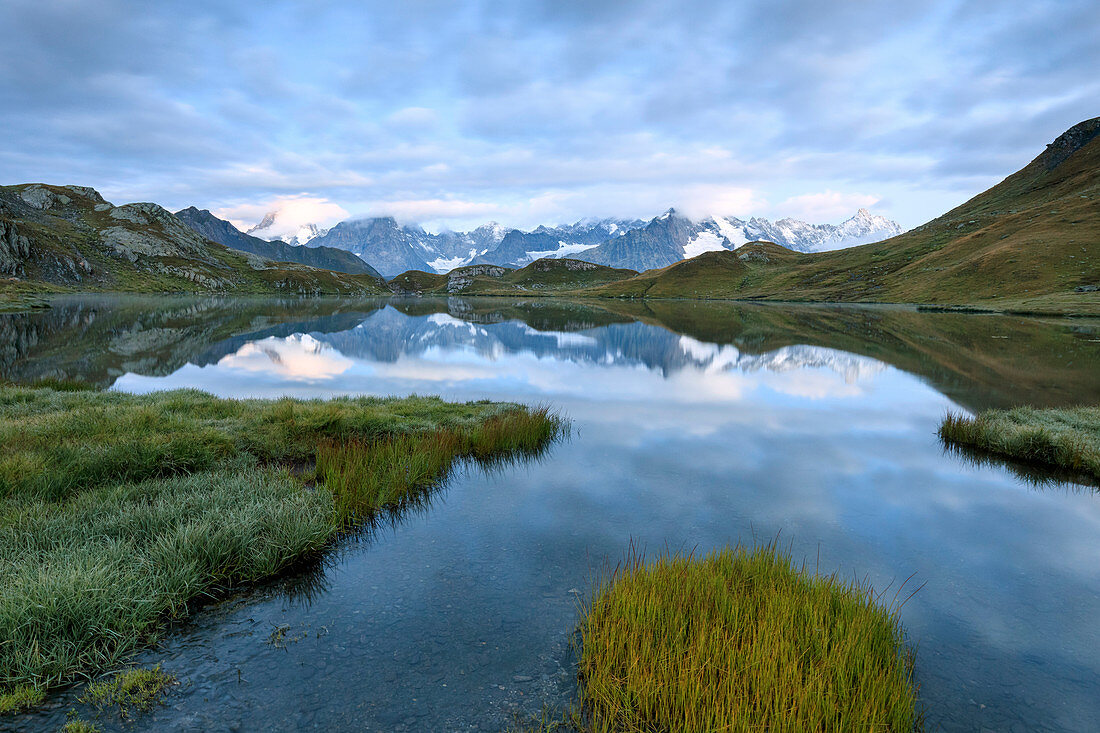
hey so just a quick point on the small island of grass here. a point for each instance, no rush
(118, 511)
(740, 640)
(1063, 439)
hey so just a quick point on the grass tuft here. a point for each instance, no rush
(19, 697)
(741, 640)
(80, 726)
(1063, 439)
(132, 689)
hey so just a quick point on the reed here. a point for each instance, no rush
(741, 640)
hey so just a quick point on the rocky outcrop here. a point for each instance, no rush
(42, 198)
(570, 265)
(1069, 142)
(14, 249)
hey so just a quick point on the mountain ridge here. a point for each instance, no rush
(223, 232)
(71, 238)
(393, 247)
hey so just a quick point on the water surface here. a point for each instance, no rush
(694, 426)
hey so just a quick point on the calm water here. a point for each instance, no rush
(694, 426)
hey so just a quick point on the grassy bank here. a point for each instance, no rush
(16, 302)
(1063, 439)
(118, 511)
(741, 640)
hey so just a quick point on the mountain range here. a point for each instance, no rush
(222, 232)
(1028, 244)
(393, 248)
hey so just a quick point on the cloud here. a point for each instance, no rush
(293, 212)
(542, 106)
(429, 211)
(700, 201)
(825, 207)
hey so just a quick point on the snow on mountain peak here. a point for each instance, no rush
(272, 227)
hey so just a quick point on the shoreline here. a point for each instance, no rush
(35, 300)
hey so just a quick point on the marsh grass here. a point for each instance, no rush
(119, 512)
(1066, 439)
(741, 640)
(83, 582)
(61, 442)
(130, 690)
(80, 726)
(365, 477)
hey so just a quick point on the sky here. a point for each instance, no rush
(451, 114)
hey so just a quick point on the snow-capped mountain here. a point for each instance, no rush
(393, 248)
(455, 249)
(271, 228)
(519, 248)
(672, 237)
(863, 228)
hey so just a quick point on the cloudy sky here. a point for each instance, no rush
(455, 113)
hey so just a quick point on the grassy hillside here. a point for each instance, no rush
(1028, 243)
(418, 282)
(540, 277)
(67, 238)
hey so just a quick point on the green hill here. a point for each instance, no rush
(541, 277)
(67, 238)
(1028, 243)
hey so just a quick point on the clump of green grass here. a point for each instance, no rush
(118, 511)
(741, 640)
(131, 689)
(80, 726)
(365, 477)
(19, 697)
(1067, 439)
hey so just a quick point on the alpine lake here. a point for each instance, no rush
(693, 425)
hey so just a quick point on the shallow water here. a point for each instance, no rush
(693, 426)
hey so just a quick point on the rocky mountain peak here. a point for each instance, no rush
(266, 223)
(1069, 142)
